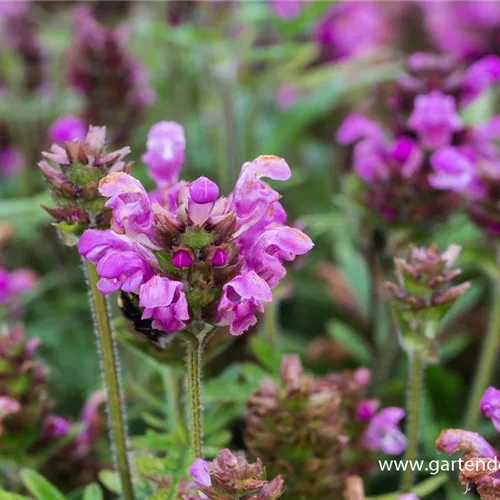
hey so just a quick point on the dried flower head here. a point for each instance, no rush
(231, 476)
(423, 294)
(73, 181)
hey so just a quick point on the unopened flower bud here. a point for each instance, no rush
(182, 259)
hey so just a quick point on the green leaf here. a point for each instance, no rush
(354, 270)
(92, 492)
(430, 485)
(7, 495)
(270, 358)
(422, 490)
(39, 487)
(351, 340)
(111, 480)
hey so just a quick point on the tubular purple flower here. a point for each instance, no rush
(273, 246)
(67, 128)
(453, 440)
(239, 298)
(199, 473)
(252, 198)
(131, 207)
(452, 170)
(383, 434)
(490, 406)
(164, 300)
(435, 119)
(165, 153)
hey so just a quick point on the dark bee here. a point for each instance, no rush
(129, 307)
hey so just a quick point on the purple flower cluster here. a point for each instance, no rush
(467, 29)
(350, 29)
(413, 172)
(480, 457)
(194, 254)
(100, 67)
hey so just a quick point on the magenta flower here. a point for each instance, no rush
(165, 153)
(199, 473)
(67, 128)
(383, 434)
(452, 170)
(434, 119)
(198, 255)
(367, 409)
(490, 406)
(15, 284)
(55, 427)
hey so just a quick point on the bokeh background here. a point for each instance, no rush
(244, 78)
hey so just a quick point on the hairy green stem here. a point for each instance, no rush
(111, 379)
(487, 361)
(193, 369)
(413, 410)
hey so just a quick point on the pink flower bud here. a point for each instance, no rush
(182, 259)
(203, 190)
(220, 258)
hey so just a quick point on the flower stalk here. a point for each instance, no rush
(111, 379)
(415, 388)
(487, 361)
(193, 372)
